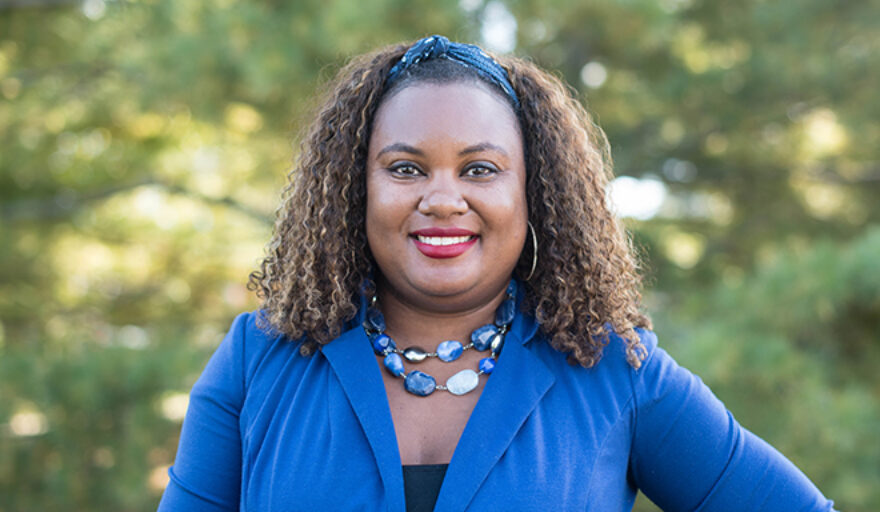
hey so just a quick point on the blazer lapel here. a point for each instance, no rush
(513, 390)
(352, 359)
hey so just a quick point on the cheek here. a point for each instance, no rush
(385, 212)
(375, 212)
(512, 212)
(511, 204)
(507, 215)
(518, 215)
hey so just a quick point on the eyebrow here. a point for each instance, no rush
(400, 147)
(483, 146)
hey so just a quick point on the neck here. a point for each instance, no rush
(410, 323)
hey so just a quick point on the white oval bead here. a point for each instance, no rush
(462, 382)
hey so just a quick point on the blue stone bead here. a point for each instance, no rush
(511, 289)
(374, 320)
(449, 350)
(382, 343)
(419, 383)
(482, 337)
(487, 364)
(505, 313)
(394, 364)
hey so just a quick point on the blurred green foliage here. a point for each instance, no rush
(143, 146)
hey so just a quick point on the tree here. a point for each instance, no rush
(143, 147)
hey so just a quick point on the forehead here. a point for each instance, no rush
(461, 111)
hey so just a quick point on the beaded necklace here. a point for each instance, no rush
(488, 337)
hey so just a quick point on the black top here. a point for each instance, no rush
(421, 485)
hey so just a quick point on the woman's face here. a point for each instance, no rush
(446, 200)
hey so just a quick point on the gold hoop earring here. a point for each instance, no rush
(534, 251)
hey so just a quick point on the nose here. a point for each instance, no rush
(443, 197)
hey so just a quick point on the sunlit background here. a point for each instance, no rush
(143, 146)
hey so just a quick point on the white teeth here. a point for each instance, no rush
(443, 240)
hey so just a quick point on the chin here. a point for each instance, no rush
(446, 284)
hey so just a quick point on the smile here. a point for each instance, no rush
(444, 240)
(442, 243)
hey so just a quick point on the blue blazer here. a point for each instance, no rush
(268, 429)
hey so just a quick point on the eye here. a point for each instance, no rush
(480, 170)
(405, 170)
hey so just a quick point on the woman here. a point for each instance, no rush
(451, 317)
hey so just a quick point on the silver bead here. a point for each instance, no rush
(415, 354)
(496, 343)
(462, 382)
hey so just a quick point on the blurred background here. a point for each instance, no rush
(143, 146)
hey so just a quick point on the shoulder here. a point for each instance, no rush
(658, 375)
(250, 337)
(251, 346)
(614, 363)
(611, 379)
(615, 350)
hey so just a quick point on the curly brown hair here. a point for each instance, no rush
(586, 280)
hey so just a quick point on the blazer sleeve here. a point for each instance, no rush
(689, 453)
(206, 475)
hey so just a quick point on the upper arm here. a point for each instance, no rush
(207, 469)
(690, 454)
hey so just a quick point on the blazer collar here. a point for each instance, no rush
(511, 393)
(351, 357)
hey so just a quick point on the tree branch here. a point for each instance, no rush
(14, 4)
(868, 176)
(226, 201)
(61, 205)
(66, 204)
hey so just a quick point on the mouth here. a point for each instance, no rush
(439, 241)
(443, 242)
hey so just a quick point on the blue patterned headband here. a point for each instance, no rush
(438, 47)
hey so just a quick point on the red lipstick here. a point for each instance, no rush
(443, 242)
